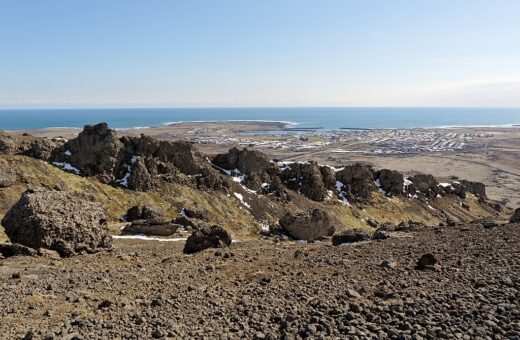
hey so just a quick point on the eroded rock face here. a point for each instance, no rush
(350, 236)
(476, 188)
(58, 221)
(358, 182)
(425, 184)
(246, 161)
(150, 228)
(140, 212)
(309, 226)
(213, 236)
(391, 181)
(306, 179)
(43, 148)
(132, 162)
(515, 218)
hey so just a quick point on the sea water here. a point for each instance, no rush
(322, 118)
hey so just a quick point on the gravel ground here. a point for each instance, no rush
(266, 289)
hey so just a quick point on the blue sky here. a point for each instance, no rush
(93, 53)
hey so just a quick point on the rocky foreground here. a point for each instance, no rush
(265, 288)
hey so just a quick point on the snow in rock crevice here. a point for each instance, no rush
(339, 191)
(377, 183)
(67, 167)
(68, 153)
(124, 181)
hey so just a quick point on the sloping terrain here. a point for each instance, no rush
(265, 289)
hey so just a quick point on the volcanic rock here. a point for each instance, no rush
(515, 218)
(207, 237)
(197, 212)
(7, 178)
(150, 228)
(476, 188)
(358, 181)
(309, 226)
(427, 261)
(391, 181)
(13, 249)
(58, 221)
(350, 236)
(246, 161)
(425, 184)
(140, 212)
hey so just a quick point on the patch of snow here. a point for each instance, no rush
(124, 181)
(68, 153)
(445, 185)
(406, 183)
(67, 167)
(147, 238)
(241, 199)
(266, 185)
(329, 195)
(432, 208)
(264, 225)
(339, 191)
(377, 183)
(285, 165)
(183, 213)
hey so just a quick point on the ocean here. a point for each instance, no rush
(322, 118)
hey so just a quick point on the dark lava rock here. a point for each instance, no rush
(143, 212)
(358, 182)
(246, 161)
(14, 249)
(426, 185)
(43, 148)
(515, 218)
(380, 234)
(391, 181)
(427, 261)
(476, 188)
(350, 236)
(207, 237)
(199, 213)
(309, 226)
(58, 221)
(150, 228)
(306, 179)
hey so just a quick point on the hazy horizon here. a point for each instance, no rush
(182, 54)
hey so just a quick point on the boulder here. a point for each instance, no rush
(140, 212)
(350, 236)
(515, 218)
(306, 179)
(199, 213)
(380, 234)
(43, 148)
(476, 188)
(150, 228)
(14, 249)
(309, 226)
(358, 182)
(212, 236)
(391, 181)
(58, 221)
(426, 261)
(425, 184)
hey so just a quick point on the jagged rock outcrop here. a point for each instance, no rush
(133, 162)
(309, 226)
(391, 182)
(515, 218)
(306, 179)
(350, 236)
(246, 161)
(210, 236)
(357, 181)
(140, 212)
(43, 148)
(476, 188)
(425, 184)
(150, 228)
(58, 221)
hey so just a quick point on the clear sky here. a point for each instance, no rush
(96, 53)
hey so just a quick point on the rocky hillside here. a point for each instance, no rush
(242, 190)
